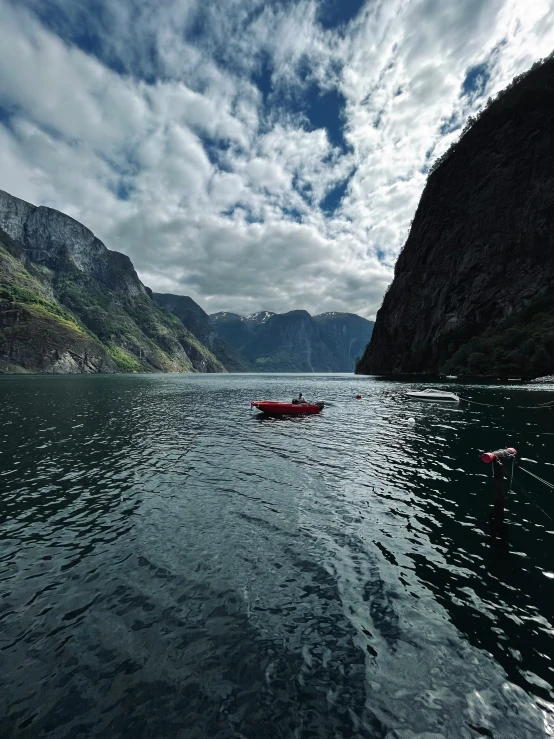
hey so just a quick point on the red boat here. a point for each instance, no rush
(275, 408)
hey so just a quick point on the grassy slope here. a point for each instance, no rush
(197, 321)
(30, 315)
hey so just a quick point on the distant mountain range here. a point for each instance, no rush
(68, 304)
(296, 341)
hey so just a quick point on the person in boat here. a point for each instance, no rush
(299, 399)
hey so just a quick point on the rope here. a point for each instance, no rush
(520, 486)
(545, 482)
(513, 481)
(512, 472)
(495, 405)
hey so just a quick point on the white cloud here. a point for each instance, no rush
(156, 137)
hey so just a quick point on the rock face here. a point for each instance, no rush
(292, 342)
(480, 253)
(69, 304)
(33, 343)
(198, 322)
(236, 330)
(36, 333)
(350, 332)
(56, 241)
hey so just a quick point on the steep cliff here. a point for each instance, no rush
(198, 322)
(471, 289)
(293, 342)
(350, 332)
(238, 330)
(69, 304)
(36, 332)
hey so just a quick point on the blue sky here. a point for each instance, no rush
(252, 155)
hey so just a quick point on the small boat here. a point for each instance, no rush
(451, 377)
(432, 393)
(276, 408)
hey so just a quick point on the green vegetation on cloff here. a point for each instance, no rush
(46, 314)
(37, 305)
(138, 334)
(522, 345)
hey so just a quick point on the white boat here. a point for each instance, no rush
(451, 377)
(432, 393)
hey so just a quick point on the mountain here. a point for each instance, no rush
(473, 287)
(37, 334)
(197, 321)
(237, 330)
(295, 341)
(351, 333)
(232, 328)
(255, 320)
(69, 304)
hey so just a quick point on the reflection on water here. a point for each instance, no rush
(175, 566)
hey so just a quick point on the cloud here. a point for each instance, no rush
(253, 155)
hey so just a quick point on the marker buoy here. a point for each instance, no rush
(358, 396)
(411, 421)
(489, 457)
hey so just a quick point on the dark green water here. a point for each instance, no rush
(173, 566)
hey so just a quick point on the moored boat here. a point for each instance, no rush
(276, 408)
(433, 394)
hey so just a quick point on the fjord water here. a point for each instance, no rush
(173, 565)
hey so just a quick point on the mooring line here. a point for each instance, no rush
(497, 405)
(520, 486)
(545, 482)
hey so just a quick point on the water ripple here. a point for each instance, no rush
(174, 566)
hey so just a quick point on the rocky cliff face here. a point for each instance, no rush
(54, 240)
(293, 342)
(350, 332)
(198, 322)
(236, 330)
(69, 304)
(36, 333)
(480, 251)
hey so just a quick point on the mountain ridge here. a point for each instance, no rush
(296, 341)
(69, 304)
(197, 321)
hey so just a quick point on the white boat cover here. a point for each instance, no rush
(433, 394)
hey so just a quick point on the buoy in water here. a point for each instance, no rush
(499, 454)
(411, 421)
(358, 396)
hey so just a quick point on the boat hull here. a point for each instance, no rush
(446, 398)
(274, 408)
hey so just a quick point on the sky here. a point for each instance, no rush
(253, 155)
